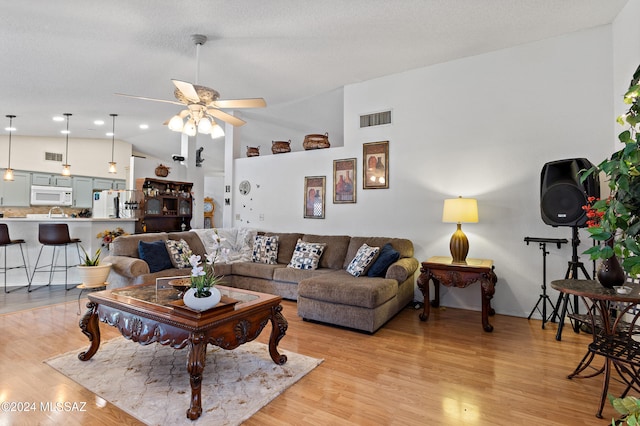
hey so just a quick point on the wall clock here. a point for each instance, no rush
(244, 187)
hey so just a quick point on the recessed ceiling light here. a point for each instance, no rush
(64, 132)
(98, 122)
(109, 133)
(144, 126)
(58, 118)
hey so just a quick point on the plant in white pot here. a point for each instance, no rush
(203, 294)
(91, 271)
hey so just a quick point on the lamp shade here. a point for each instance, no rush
(460, 210)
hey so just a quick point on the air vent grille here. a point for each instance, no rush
(53, 156)
(375, 119)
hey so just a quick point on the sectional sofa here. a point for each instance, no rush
(328, 293)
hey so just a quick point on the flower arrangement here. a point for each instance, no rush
(203, 276)
(108, 236)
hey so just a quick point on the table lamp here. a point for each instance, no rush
(460, 210)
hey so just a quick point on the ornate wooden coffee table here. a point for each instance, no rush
(146, 315)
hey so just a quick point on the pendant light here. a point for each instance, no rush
(8, 173)
(112, 163)
(66, 168)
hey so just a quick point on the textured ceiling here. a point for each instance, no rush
(73, 55)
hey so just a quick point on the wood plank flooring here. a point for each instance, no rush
(447, 371)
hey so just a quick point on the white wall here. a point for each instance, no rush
(481, 127)
(87, 157)
(626, 55)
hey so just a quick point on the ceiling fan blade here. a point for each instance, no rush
(187, 90)
(228, 118)
(149, 99)
(239, 103)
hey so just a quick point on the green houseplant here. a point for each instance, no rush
(618, 216)
(203, 294)
(629, 407)
(92, 272)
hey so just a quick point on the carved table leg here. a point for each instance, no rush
(90, 326)
(279, 327)
(487, 290)
(436, 293)
(423, 285)
(195, 365)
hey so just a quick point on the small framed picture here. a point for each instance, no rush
(375, 168)
(314, 195)
(344, 181)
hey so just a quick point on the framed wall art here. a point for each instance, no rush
(344, 181)
(314, 195)
(375, 168)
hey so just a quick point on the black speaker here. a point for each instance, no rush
(562, 195)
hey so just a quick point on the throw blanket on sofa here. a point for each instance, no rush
(239, 241)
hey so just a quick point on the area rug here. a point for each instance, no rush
(151, 383)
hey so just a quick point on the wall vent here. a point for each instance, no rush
(53, 156)
(375, 119)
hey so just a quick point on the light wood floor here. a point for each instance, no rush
(447, 371)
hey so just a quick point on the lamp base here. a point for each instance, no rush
(459, 246)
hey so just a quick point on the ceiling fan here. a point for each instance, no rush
(203, 104)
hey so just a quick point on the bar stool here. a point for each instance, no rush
(6, 241)
(55, 235)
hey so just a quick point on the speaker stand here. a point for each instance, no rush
(572, 273)
(544, 297)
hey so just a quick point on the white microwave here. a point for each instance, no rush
(51, 195)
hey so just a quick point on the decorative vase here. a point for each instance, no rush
(201, 303)
(94, 276)
(610, 272)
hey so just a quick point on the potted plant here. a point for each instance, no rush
(618, 216)
(203, 294)
(629, 407)
(91, 271)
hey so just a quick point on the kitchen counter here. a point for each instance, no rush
(86, 229)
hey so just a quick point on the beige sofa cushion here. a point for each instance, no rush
(286, 245)
(343, 288)
(334, 252)
(254, 270)
(403, 246)
(292, 275)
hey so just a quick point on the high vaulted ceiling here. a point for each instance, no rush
(73, 55)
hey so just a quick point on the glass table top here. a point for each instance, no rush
(160, 295)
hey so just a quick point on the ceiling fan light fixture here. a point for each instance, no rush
(190, 128)
(217, 131)
(176, 124)
(205, 125)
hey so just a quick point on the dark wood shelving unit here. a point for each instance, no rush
(167, 205)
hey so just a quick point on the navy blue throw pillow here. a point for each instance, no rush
(388, 255)
(155, 254)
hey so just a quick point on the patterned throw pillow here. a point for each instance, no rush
(306, 255)
(179, 252)
(265, 249)
(362, 259)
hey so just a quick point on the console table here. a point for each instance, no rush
(441, 270)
